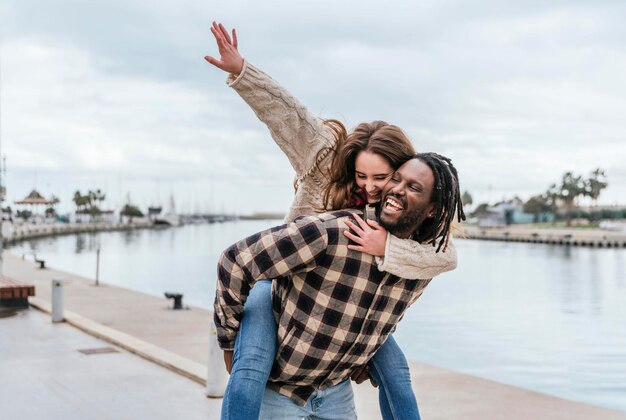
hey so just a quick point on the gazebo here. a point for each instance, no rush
(35, 199)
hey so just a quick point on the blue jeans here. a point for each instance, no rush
(395, 394)
(255, 349)
(334, 403)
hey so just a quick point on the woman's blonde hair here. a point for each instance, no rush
(379, 137)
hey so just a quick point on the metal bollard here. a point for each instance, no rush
(98, 266)
(217, 377)
(57, 300)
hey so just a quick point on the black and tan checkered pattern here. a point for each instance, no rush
(334, 307)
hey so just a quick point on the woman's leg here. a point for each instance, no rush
(255, 349)
(395, 394)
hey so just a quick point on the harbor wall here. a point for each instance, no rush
(572, 237)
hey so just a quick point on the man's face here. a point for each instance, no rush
(406, 198)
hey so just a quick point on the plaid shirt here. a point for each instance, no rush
(334, 308)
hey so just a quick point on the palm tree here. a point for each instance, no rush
(80, 201)
(552, 197)
(595, 184)
(100, 196)
(571, 188)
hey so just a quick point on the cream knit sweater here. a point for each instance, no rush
(301, 136)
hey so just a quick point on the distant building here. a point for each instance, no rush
(509, 213)
(105, 216)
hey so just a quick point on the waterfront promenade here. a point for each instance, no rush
(591, 237)
(19, 232)
(178, 340)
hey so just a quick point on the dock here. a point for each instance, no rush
(143, 327)
(595, 238)
(26, 231)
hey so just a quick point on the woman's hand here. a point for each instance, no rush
(228, 360)
(362, 374)
(230, 60)
(370, 237)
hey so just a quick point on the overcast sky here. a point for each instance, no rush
(116, 95)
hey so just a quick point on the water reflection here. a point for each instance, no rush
(620, 271)
(80, 243)
(594, 281)
(86, 242)
(130, 236)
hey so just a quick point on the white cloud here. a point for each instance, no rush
(117, 94)
(62, 114)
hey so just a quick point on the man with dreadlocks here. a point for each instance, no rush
(334, 308)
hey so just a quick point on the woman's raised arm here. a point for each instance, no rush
(298, 133)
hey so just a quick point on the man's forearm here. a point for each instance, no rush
(231, 292)
(273, 253)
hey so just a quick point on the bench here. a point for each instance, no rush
(14, 294)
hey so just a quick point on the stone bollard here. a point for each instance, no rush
(217, 377)
(57, 300)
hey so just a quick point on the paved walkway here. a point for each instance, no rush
(45, 376)
(179, 340)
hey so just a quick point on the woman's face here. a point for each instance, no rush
(371, 174)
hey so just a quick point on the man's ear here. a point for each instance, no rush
(430, 211)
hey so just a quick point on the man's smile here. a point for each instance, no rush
(392, 205)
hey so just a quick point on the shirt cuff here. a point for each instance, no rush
(380, 261)
(227, 346)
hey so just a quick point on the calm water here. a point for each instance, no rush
(547, 318)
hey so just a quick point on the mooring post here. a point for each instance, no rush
(217, 377)
(57, 300)
(98, 266)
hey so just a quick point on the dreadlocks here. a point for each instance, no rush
(446, 196)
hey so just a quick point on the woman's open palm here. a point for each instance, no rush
(230, 60)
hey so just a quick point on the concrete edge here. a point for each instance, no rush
(178, 364)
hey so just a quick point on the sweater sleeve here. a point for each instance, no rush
(298, 133)
(412, 260)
